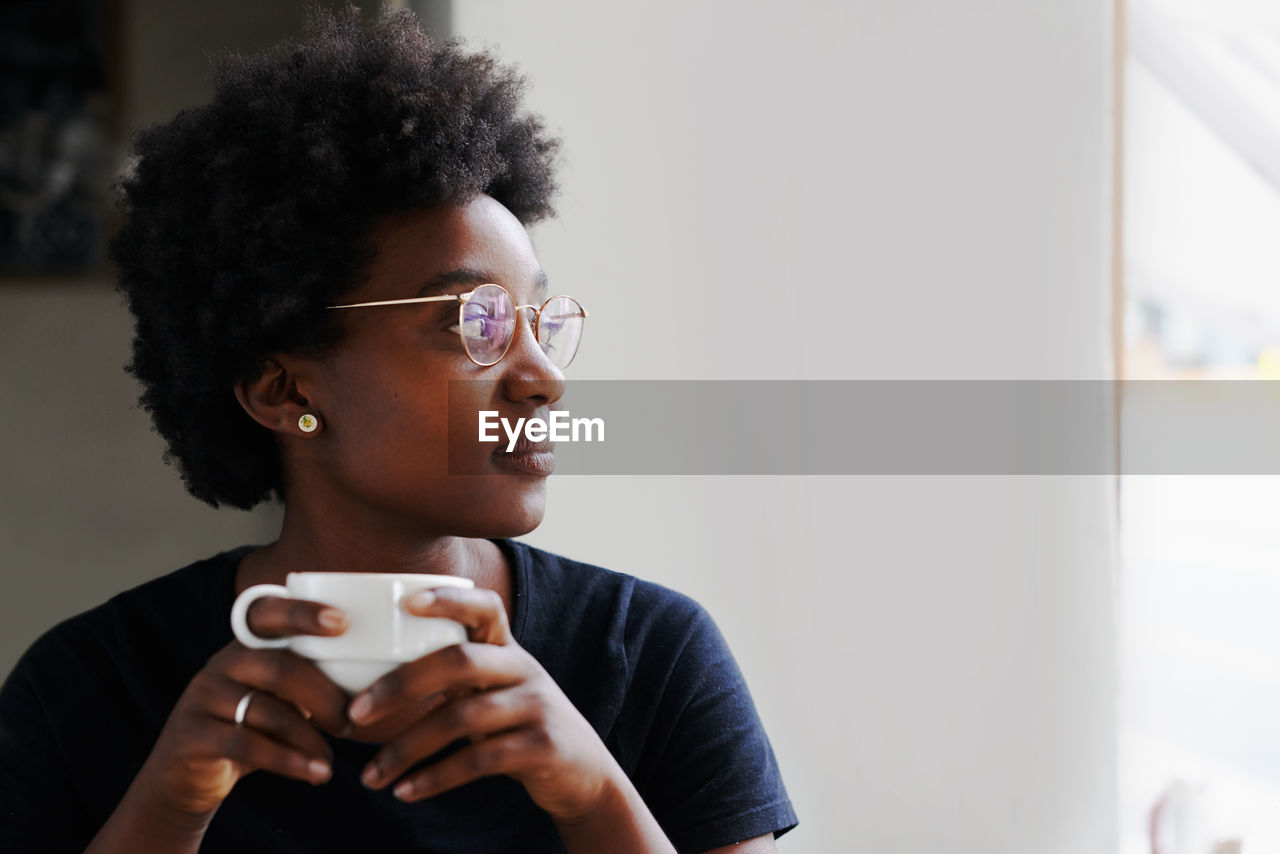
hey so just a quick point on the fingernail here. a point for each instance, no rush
(319, 770)
(360, 708)
(332, 618)
(404, 789)
(370, 776)
(422, 599)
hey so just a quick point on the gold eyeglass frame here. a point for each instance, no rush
(463, 299)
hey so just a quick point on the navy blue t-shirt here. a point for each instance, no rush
(646, 666)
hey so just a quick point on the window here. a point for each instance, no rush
(1200, 555)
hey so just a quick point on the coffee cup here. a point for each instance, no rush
(381, 633)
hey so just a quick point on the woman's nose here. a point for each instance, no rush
(529, 371)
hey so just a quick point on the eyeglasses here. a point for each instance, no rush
(487, 323)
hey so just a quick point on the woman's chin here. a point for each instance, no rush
(514, 520)
(522, 523)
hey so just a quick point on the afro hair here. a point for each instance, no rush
(243, 218)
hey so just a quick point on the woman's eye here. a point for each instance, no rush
(473, 327)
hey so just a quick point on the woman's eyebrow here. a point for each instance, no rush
(453, 278)
(466, 276)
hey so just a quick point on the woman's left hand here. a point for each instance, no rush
(499, 698)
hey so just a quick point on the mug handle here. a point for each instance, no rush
(240, 611)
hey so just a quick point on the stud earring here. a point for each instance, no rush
(308, 423)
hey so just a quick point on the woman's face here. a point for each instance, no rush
(399, 399)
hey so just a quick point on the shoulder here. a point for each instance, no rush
(596, 629)
(650, 670)
(84, 704)
(558, 588)
(566, 579)
(142, 623)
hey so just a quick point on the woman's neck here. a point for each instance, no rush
(307, 544)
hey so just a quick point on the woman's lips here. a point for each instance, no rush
(527, 458)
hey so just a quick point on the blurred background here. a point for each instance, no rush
(1200, 677)
(1068, 189)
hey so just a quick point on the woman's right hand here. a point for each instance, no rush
(201, 753)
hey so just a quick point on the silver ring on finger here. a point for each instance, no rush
(242, 710)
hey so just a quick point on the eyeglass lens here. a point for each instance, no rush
(489, 323)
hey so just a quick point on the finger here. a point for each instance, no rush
(480, 610)
(290, 677)
(256, 750)
(507, 753)
(276, 617)
(458, 669)
(475, 716)
(274, 717)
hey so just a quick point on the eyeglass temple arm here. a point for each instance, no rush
(458, 297)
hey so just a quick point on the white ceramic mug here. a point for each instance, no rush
(381, 633)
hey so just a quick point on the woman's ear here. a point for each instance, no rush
(275, 398)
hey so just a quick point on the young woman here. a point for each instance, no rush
(280, 252)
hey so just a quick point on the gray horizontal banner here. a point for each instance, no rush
(873, 427)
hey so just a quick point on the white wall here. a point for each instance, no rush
(87, 506)
(933, 657)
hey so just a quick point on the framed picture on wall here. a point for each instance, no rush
(58, 103)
